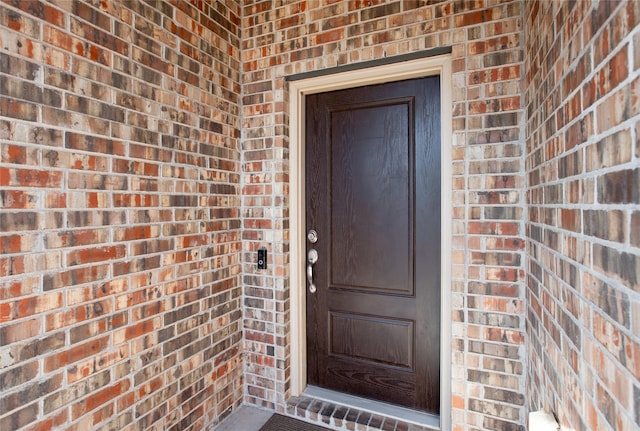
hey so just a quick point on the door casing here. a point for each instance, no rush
(429, 66)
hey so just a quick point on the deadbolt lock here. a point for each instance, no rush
(312, 236)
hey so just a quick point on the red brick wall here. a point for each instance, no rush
(120, 296)
(583, 192)
(126, 200)
(283, 38)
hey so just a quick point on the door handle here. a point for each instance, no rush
(312, 258)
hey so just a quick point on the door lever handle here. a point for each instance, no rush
(312, 258)
(312, 287)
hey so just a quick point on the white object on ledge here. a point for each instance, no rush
(542, 421)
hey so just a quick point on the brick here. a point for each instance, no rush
(614, 72)
(504, 396)
(625, 266)
(29, 394)
(637, 139)
(613, 110)
(42, 346)
(79, 390)
(91, 329)
(19, 331)
(20, 418)
(84, 105)
(74, 354)
(21, 110)
(608, 406)
(494, 409)
(497, 424)
(94, 255)
(29, 92)
(18, 22)
(619, 187)
(29, 306)
(501, 381)
(16, 376)
(98, 398)
(635, 229)
(607, 225)
(636, 398)
(92, 15)
(18, 243)
(613, 150)
(65, 41)
(475, 17)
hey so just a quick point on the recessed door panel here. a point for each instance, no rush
(377, 339)
(371, 244)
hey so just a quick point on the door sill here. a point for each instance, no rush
(379, 408)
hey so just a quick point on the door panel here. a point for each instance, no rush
(373, 196)
(350, 335)
(370, 164)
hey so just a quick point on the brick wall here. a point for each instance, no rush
(582, 165)
(284, 38)
(130, 211)
(120, 295)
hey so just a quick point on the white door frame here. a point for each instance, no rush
(429, 66)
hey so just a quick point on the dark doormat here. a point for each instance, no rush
(284, 423)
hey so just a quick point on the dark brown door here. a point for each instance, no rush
(373, 196)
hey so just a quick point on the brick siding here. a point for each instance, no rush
(120, 286)
(582, 164)
(144, 157)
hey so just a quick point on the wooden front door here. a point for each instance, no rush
(373, 197)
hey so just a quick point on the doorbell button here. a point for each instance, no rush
(262, 258)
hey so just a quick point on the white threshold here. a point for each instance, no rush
(376, 407)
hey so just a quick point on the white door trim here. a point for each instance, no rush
(429, 66)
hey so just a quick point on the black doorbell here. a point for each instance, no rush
(262, 258)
